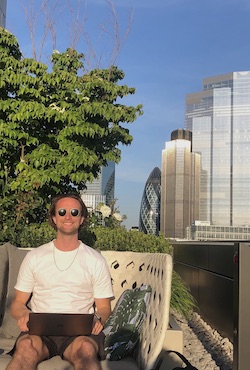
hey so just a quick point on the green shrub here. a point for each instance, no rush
(36, 234)
(120, 239)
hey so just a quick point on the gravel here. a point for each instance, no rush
(204, 347)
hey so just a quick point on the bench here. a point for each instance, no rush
(128, 270)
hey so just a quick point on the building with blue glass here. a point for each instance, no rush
(219, 118)
(102, 189)
(149, 219)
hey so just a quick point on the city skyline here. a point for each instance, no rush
(171, 47)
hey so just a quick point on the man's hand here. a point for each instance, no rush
(103, 310)
(23, 321)
(97, 326)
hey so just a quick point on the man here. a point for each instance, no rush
(64, 276)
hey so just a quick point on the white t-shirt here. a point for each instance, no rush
(85, 277)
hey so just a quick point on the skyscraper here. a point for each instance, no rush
(219, 118)
(149, 220)
(102, 189)
(180, 185)
(3, 13)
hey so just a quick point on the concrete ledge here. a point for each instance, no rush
(173, 342)
(174, 337)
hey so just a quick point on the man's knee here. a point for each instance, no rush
(81, 348)
(25, 344)
(30, 347)
(88, 349)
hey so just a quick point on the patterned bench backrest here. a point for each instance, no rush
(130, 270)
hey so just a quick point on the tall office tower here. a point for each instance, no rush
(149, 220)
(219, 118)
(180, 185)
(3, 13)
(102, 189)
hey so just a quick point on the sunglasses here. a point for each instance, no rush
(74, 212)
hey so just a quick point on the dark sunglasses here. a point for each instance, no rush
(74, 212)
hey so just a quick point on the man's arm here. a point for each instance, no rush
(103, 309)
(19, 310)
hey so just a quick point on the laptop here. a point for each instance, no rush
(66, 324)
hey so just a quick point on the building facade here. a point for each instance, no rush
(3, 13)
(102, 189)
(219, 118)
(200, 230)
(149, 220)
(180, 185)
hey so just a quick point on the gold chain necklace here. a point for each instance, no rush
(71, 263)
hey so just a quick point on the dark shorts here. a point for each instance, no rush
(57, 344)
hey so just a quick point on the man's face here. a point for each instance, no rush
(66, 220)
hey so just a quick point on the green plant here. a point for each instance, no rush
(36, 234)
(182, 300)
(122, 240)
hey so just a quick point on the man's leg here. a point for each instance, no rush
(30, 351)
(82, 354)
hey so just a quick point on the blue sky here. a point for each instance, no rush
(171, 47)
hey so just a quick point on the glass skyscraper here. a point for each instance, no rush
(149, 221)
(102, 189)
(219, 118)
(180, 185)
(3, 13)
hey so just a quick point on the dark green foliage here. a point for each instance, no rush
(181, 299)
(36, 235)
(120, 239)
(19, 214)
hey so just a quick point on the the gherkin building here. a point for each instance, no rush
(149, 221)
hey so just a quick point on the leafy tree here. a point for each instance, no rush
(57, 128)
